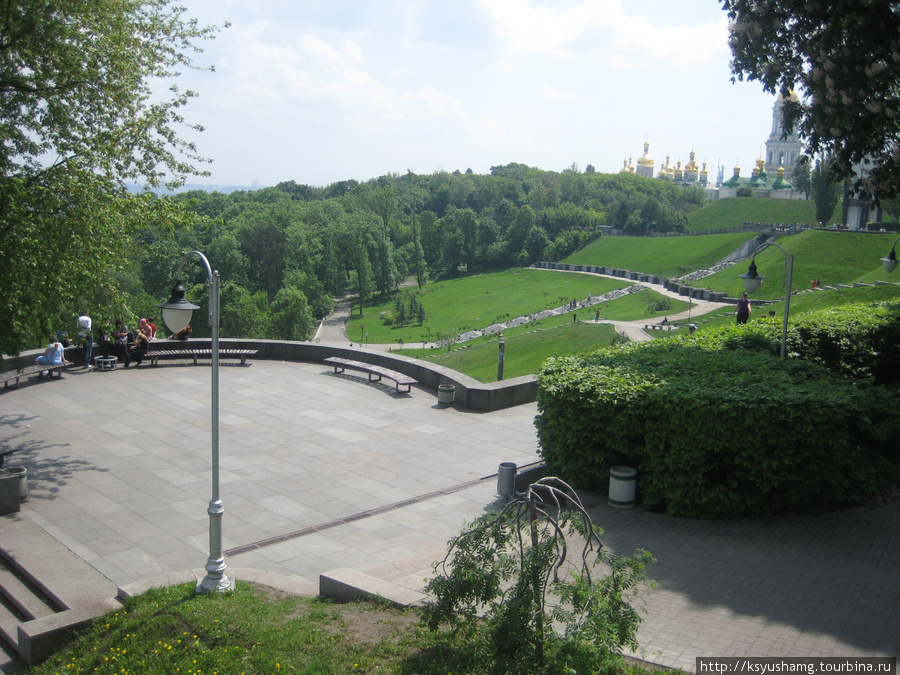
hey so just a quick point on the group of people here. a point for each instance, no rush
(129, 346)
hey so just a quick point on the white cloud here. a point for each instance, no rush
(552, 94)
(625, 41)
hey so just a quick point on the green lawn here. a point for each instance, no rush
(729, 214)
(664, 256)
(524, 351)
(259, 631)
(475, 302)
(529, 345)
(834, 257)
(807, 302)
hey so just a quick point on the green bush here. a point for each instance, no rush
(716, 432)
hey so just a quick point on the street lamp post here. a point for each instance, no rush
(890, 263)
(752, 281)
(176, 315)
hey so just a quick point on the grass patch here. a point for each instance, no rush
(836, 257)
(529, 345)
(524, 352)
(479, 301)
(804, 302)
(664, 256)
(731, 213)
(259, 631)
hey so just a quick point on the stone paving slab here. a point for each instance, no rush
(119, 471)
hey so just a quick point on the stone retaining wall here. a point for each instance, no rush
(470, 393)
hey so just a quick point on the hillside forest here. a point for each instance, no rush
(285, 252)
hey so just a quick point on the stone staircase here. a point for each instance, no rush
(45, 591)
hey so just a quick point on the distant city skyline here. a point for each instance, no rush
(329, 90)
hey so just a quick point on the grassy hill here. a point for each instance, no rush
(665, 256)
(525, 352)
(478, 301)
(459, 305)
(834, 257)
(729, 214)
(810, 301)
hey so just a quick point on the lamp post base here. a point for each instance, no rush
(215, 581)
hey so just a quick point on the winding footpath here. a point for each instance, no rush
(333, 329)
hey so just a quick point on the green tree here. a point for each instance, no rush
(801, 178)
(79, 119)
(892, 208)
(825, 191)
(841, 56)
(292, 318)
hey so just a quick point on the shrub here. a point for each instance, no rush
(386, 317)
(716, 433)
(511, 589)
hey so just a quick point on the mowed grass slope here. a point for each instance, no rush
(524, 352)
(731, 213)
(803, 302)
(459, 305)
(664, 256)
(832, 256)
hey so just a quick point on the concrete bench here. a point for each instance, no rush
(11, 375)
(400, 379)
(197, 354)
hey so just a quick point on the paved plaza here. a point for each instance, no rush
(320, 471)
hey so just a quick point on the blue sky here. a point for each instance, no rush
(318, 91)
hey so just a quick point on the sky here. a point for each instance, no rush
(319, 91)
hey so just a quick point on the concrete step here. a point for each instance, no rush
(45, 590)
(27, 599)
(9, 625)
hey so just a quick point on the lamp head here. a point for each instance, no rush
(752, 279)
(177, 311)
(890, 263)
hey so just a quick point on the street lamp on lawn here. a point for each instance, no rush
(176, 315)
(752, 280)
(890, 263)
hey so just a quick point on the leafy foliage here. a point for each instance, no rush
(79, 118)
(510, 579)
(842, 57)
(718, 426)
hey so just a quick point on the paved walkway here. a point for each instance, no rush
(119, 473)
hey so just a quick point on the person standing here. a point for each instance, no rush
(87, 337)
(743, 309)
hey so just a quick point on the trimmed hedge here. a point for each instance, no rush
(716, 432)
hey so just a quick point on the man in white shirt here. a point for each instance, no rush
(87, 337)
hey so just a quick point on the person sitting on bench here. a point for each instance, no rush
(52, 356)
(139, 350)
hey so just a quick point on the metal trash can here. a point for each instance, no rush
(506, 480)
(622, 485)
(446, 394)
(22, 473)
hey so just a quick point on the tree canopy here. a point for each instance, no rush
(843, 59)
(80, 116)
